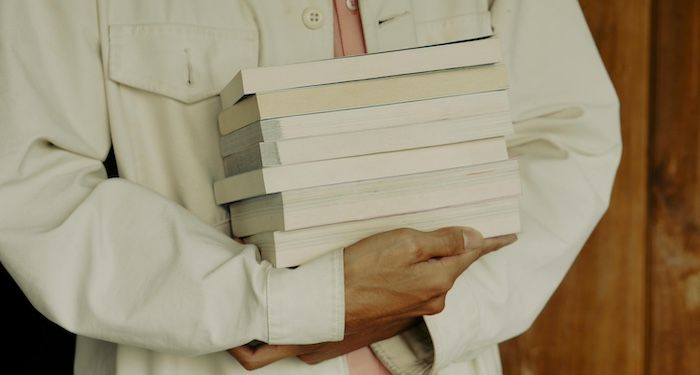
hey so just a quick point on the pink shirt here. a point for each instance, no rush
(350, 40)
(347, 29)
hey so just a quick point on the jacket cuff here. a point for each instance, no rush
(306, 305)
(409, 353)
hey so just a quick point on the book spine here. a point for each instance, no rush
(233, 91)
(245, 112)
(249, 184)
(243, 161)
(241, 139)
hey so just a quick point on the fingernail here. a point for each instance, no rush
(472, 239)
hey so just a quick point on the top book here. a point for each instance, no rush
(353, 68)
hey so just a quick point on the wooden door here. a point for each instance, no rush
(631, 302)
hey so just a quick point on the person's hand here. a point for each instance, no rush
(390, 278)
(255, 357)
(406, 273)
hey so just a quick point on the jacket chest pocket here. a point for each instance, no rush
(187, 63)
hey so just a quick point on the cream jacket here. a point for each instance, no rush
(141, 267)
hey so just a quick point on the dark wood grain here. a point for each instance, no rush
(674, 288)
(595, 322)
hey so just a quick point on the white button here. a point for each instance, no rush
(313, 18)
(351, 4)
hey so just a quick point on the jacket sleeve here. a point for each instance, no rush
(567, 141)
(109, 259)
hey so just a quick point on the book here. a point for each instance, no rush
(260, 79)
(333, 146)
(326, 172)
(305, 208)
(367, 118)
(367, 93)
(291, 248)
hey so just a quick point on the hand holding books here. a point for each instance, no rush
(391, 280)
(406, 273)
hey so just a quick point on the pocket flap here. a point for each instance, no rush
(185, 62)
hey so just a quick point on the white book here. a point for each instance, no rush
(327, 172)
(305, 208)
(365, 119)
(359, 94)
(287, 249)
(260, 79)
(301, 150)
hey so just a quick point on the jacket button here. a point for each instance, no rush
(313, 18)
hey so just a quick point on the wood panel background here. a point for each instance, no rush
(631, 302)
(674, 227)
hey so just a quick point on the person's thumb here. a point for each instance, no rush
(475, 248)
(446, 242)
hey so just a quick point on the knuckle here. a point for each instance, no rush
(439, 286)
(408, 241)
(445, 280)
(472, 232)
(436, 306)
(452, 238)
(403, 232)
(309, 359)
(445, 283)
(248, 365)
(455, 239)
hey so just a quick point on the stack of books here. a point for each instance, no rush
(322, 154)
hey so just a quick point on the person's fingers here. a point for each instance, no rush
(261, 356)
(495, 243)
(443, 242)
(459, 263)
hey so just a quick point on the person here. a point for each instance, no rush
(141, 267)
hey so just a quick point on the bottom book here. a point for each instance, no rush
(292, 248)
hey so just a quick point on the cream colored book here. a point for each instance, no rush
(307, 149)
(333, 124)
(260, 79)
(335, 171)
(324, 205)
(359, 94)
(292, 248)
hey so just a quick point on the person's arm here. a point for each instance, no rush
(568, 144)
(107, 258)
(408, 271)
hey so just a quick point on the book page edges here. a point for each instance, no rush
(474, 53)
(382, 91)
(238, 116)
